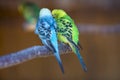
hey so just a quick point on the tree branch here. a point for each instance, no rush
(28, 54)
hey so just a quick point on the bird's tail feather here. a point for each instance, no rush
(56, 53)
(60, 62)
(77, 52)
(81, 61)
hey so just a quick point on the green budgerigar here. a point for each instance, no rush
(30, 12)
(68, 33)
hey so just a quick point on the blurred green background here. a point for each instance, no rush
(101, 52)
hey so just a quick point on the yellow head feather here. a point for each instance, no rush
(58, 13)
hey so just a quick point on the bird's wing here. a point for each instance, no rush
(65, 28)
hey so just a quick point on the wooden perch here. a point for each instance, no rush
(28, 54)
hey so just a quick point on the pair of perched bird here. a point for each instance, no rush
(57, 25)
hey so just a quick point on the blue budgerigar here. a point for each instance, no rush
(45, 29)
